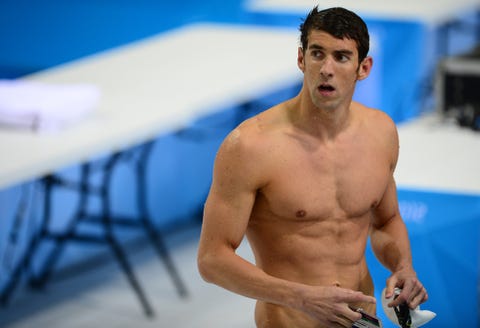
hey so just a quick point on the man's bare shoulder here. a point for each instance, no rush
(376, 120)
(382, 127)
(243, 151)
(254, 134)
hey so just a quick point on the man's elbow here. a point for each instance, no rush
(206, 266)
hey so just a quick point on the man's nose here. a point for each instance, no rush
(326, 70)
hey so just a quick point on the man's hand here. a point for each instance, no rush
(330, 305)
(413, 293)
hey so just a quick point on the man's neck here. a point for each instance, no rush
(324, 123)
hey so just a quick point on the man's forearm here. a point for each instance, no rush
(391, 245)
(234, 273)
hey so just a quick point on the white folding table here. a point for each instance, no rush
(154, 86)
(427, 11)
(148, 88)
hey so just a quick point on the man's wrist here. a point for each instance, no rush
(404, 267)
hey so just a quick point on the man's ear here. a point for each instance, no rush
(365, 68)
(301, 59)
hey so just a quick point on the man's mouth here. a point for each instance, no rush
(326, 89)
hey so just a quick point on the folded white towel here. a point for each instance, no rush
(45, 107)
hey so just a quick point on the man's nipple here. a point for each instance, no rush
(300, 213)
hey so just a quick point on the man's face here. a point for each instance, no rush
(331, 69)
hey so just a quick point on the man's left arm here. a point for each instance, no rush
(389, 236)
(391, 245)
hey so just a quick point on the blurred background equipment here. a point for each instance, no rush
(458, 89)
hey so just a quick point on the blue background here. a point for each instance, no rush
(444, 227)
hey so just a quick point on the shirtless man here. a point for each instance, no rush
(308, 182)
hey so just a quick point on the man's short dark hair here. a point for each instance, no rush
(340, 23)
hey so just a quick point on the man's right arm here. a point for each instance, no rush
(226, 216)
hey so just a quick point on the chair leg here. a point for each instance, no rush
(154, 235)
(32, 247)
(112, 241)
(127, 269)
(163, 252)
(16, 274)
(47, 268)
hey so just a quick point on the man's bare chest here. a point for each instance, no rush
(340, 183)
